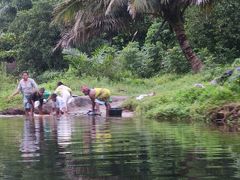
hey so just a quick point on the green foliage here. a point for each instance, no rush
(7, 55)
(106, 64)
(48, 76)
(7, 41)
(103, 63)
(218, 32)
(174, 61)
(8, 85)
(79, 63)
(178, 98)
(135, 60)
(35, 39)
(130, 104)
(208, 58)
(236, 62)
(7, 15)
(22, 4)
(168, 112)
(159, 32)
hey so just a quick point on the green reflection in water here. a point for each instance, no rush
(82, 148)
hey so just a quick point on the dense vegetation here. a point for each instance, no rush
(143, 57)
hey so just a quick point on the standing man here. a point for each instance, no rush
(98, 96)
(26, 86)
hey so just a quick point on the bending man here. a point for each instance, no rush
(64, 92)
(98, 96)
(37, 96)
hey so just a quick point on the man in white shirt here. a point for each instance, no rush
(64, 92)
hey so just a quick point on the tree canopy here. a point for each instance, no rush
(147, 37)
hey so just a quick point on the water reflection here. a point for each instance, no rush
(64, 131)
(232, 126)
(31, 138)
(98, 148)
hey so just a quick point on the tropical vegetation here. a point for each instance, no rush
(131, 47)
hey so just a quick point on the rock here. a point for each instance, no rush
(81, 101)
(80, 105)
(12, 111)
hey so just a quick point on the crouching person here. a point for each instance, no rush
(36, 100)
(98, 96)
(59, 106)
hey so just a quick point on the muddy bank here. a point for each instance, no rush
(80, 106)
(228, 112)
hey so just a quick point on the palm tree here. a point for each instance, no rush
(85, 19)
(93, 17)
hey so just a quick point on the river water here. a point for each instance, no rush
(99, 148)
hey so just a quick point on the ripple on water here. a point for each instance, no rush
(83, 148)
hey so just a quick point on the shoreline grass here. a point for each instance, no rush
(176, 97)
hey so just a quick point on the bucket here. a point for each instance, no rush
(115, 112)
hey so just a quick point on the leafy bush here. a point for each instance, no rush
(167, 112)
(236, 63)
(134, 59)
(106, 64)
(79, 63)
(48, 75)
(130, 104)
(188, 96)
(174, 61)
(103, 63)
(218, 32)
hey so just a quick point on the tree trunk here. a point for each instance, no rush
(196, 63)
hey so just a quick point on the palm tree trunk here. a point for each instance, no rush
(179, 30)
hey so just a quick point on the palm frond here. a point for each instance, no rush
(92, 26)
(66, 11)
(92, 17)
(114, 6)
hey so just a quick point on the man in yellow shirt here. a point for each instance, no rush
(98, 96)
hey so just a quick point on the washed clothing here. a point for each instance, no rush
(27, 87)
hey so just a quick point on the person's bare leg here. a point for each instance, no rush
(32, 111)
(97, 109)
(52, 111)
(58, 112)
(108, 107)
(40, 110)
(26, 112)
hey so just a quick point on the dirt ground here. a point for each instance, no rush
(79, 107)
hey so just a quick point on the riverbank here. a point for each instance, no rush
(80, 106)
(173, 96)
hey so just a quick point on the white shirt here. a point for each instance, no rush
(27, 87)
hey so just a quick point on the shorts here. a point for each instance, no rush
(26, 102)
(101, 102)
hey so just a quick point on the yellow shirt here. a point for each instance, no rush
(102, 93)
